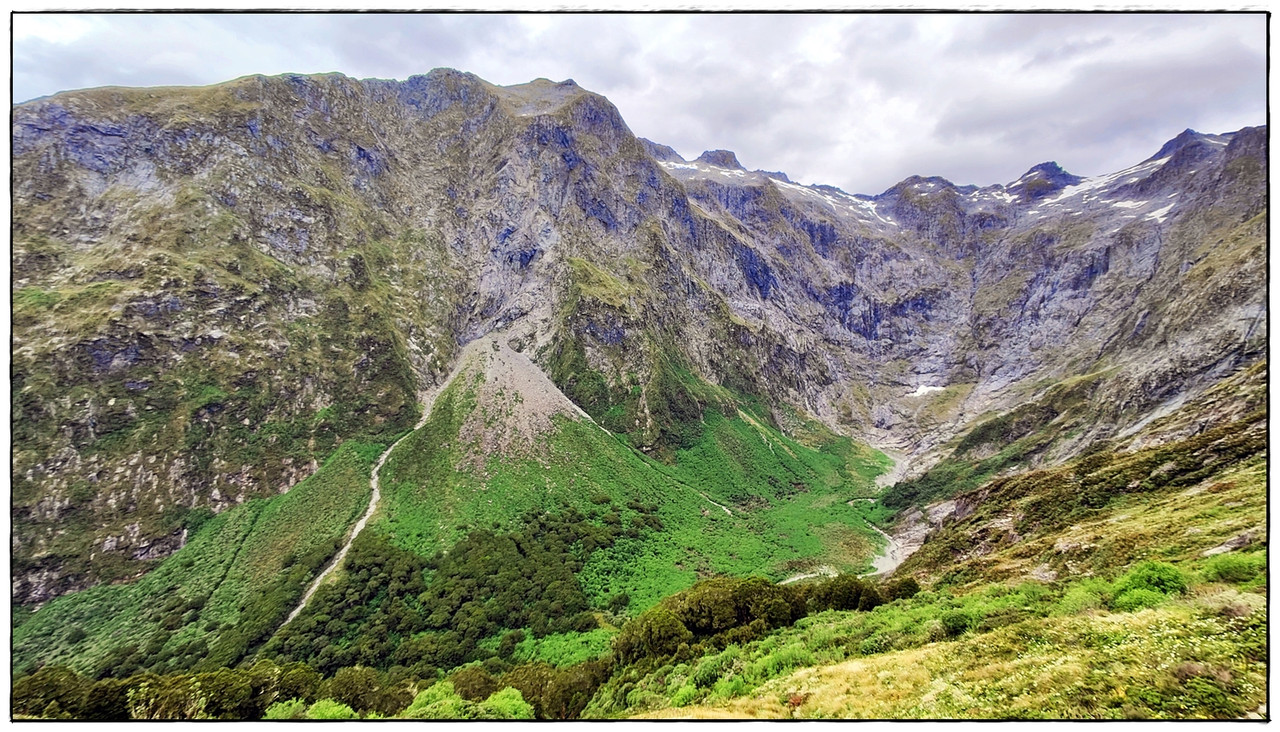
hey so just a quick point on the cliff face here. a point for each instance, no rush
(215, 286)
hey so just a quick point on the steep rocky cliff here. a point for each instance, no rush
(214, 287)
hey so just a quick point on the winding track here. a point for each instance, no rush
(355, 530)
(427, 404)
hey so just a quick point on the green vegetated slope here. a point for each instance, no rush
(788, 504)
(220, 595)
(1130, 583)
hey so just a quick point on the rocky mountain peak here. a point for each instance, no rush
(1042, 180)
(721, 159)
(362, 232)
(1184, 138)
(1054, 173)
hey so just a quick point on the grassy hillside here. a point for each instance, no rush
(1195, 658)
(216, 597)
(742, 499)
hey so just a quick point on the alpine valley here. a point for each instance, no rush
(338, 398)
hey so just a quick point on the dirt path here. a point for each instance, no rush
(822, 571)
(428, 402)
(723, 508)
(355, 530)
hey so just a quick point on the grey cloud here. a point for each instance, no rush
(887, 96)
(1067, 51)
(1106, 99)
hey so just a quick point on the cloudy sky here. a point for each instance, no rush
(854, 100)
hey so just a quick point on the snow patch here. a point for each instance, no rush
(922, 390)
(1087, 185)
(1161, 214)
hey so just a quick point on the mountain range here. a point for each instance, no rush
(230, 302)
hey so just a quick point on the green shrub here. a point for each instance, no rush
(1156, 576)
(956, 622)
(875, 644)
(729, 687)
(1137, 599)
(901, 589)
(711, 669)
(330, 709)
(1234, 568)
(292, 709)
(684, 696)
(1079, 598)
(782, 660)
(1204, 694)
(506, 703)
(656, 632)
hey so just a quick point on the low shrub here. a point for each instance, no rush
(1156, 576)
(684, 696)
(729, 687)
(1137, 599)
(330, 709)
(956, 622)
(292, 709)
(875, 644)
(1235, 568)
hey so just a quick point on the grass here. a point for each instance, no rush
(1169, 503)
(204, 409)
(1030, 650)
(1060, 620)
(1179, 661)
(593, 282)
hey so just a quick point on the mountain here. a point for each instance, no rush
(227, 297)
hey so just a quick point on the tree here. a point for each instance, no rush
(33, 694)
(439, 701)
(656, 632)
(292, 709)
(174, 697)
(355, 686)
(298, 680)
(225, 693)
(473, 683)
(107, 701)
(507, 703)
(900, 589)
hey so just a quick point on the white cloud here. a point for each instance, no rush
(54, 27)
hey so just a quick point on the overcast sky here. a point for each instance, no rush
(856, 101)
